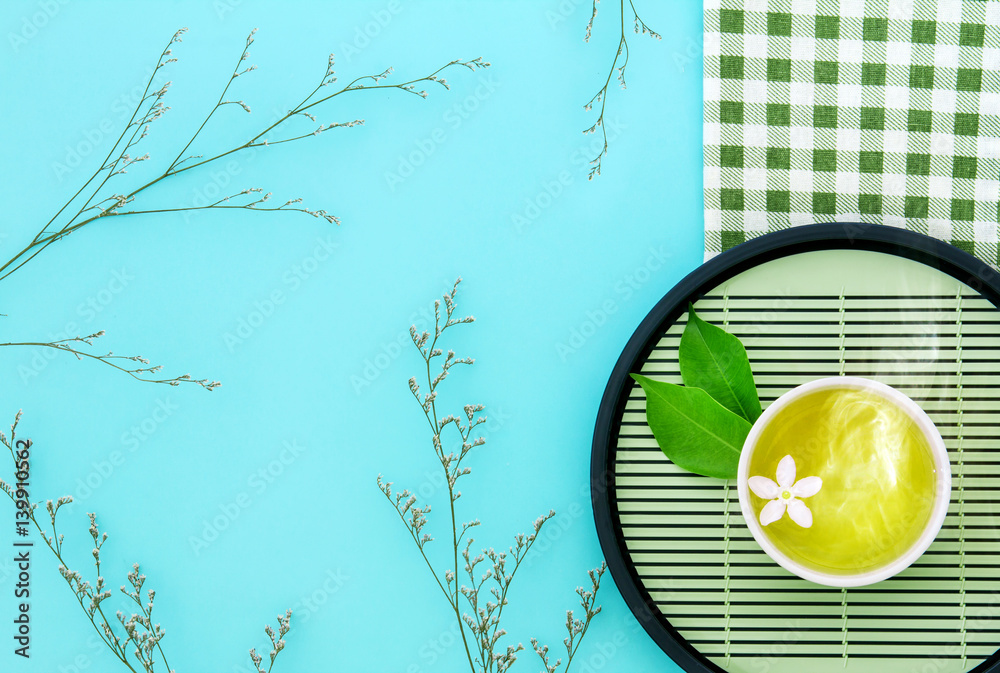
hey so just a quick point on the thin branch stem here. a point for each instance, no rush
(483, 622)
(622, 52)
(218, 104)
(110, 359)
(155, 108)
(145, 94)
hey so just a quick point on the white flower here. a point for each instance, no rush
(785, 494)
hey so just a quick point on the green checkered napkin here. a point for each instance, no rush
(878, 111)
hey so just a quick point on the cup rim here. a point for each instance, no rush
(942, 494)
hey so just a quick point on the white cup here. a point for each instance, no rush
(942, 495)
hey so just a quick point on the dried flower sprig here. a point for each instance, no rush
(99, 197)
(151, 107)
(622, 53)
(132, 636)
(138, 371)
(576, 628)
(139, 627)
(484, 622)
(277, 643)
(479, 615)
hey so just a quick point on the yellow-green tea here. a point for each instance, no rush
(878, 479)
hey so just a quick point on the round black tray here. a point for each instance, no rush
(682, 644)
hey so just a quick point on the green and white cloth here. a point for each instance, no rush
(878, 111)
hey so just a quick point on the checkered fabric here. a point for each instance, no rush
(876, 111)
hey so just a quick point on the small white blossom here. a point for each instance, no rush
(785, 494)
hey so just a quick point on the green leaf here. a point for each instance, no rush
(697, 433)
(715, 361)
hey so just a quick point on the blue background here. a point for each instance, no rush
(556, 296)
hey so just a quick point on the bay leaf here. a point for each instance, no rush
(694, 431)
(715, 361)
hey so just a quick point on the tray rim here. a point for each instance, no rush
(933, 252)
